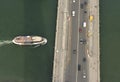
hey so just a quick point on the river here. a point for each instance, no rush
(27, 17)
(110, 40)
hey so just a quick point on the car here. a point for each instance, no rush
(79, 67)
(84, 59)
(84, 24)
(73, 13)
(80, 29)
(84, 75)
(91, 18)
(82, 41)
(73, 1)
(74, 51)
(85, 11)
(81, 6)
(85, 3)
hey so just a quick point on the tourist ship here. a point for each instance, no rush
(29, 40)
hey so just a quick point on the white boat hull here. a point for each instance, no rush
(29, 40)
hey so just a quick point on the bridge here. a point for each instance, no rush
(65, 57)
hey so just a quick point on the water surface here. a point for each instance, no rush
(110, 40)
(27, 17)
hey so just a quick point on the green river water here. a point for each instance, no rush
(38, 17)
(110, 40)
(26, 17)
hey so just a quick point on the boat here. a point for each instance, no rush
(29, 40)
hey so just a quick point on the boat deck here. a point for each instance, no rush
(22, 39)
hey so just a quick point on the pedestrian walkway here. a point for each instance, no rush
(93, 42)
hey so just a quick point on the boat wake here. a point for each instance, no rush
(5, 42)
(35, 41)
(36, 46)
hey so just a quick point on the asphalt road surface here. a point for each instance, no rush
(79, 22)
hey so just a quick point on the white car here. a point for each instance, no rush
(73, 13)
(84, 75)
(84, 24)
(73, 1)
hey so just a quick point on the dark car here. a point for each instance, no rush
(82, 41)
(79, 67)
(74, 51)
(85, 11)
(80, 29)
(81, 6)
(85, 3)
(84, 59)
